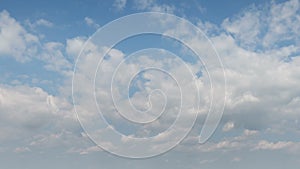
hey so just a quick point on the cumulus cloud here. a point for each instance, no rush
(36, 120)
(262, 28)
(54, 58)
(15, 41)
(37, 106)
(262, 79)
(245, 27)
(254, 75)
(74, 46)
(259, 49)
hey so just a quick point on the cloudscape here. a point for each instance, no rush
(149, 84)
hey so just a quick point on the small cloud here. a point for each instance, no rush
(228, 126)
(22, 150)
(43, 22)
(153, 6)
(250, 132)
(119, 4)
(84, 151)
(144, 4)
(266, 145)
(90, 22)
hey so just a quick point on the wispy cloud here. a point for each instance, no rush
(43, 22)
(119, 5)
(90, 22)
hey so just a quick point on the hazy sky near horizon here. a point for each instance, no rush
(258, 42)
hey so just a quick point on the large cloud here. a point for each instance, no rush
(19, 43)
(15, 40)
(258, 48)
(32, 118)
(263, 82)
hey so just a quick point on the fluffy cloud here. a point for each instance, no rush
(262, 80)
(54, 58)
(259, 49)
(74, 46)
(37, 120)
(26, 107)
(254, 75)
(262, 28)
(15, 41)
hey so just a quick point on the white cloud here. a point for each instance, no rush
(283, 23)
(225, 146)
(266, 27)
(228, 126)
(256, 74)
(245, 27)
(144, 4)
(24, 109)
(36, 120)
(250, 132)
(280, 145)
(153, 6)
(90, 22)
(33, 25)
(75, 45)
(15, 41)
(43, 22)
(84, 151)
(263, 89)
(253, 77)
(119, 4)
(52, 55)
(22, 149)
(208, 28)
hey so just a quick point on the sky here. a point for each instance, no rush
(101, 84)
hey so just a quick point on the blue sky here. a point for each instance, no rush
(257, 41)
